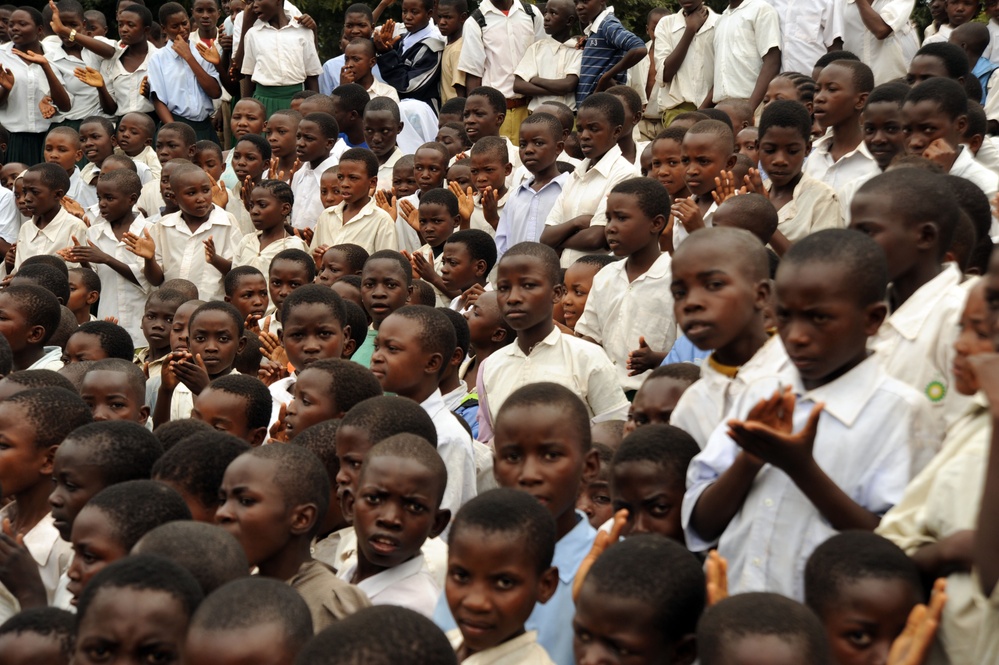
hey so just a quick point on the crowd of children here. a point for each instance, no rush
(505, 337)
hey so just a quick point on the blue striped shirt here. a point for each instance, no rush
(604, 48)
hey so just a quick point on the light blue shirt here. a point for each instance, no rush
(174, 84)
(684, 351)
(552, 620)
(523, 217)
(330, 78)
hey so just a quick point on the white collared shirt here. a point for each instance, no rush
(494, 52)
(888, 58)
(57, 234)
(694, 78)
(181, 253)
(867, 455)
(385, 170)
(454, 445)
(86, 101)
(704, 405)
(477, 219)
(276, 57)
(855, 164)
(965, 166)
(237, 25)
(379, 89)
(742, 37)
(808, 28)
(248, 252)
(124, 85)
(409, 585)
(992, 50)
(618, 313)
(521, 650)
(586, 192)
(371, 228)
(813, 207)
(20, 112)
(173, 82)
(580, 366)
(51, 359)
(305, 186)
(120, 297)
(551, 59)
(49, 551)
(10, 217)
(80, 191)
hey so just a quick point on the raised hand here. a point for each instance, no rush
(90, 76)
(56, 23)
(6, 78)
(220, 195)
(279, 430)
(941, 152)
(600, 544)
(182, 48)
(466, 200)
(74, 208)
(490, 206)
(766, 434)
(688, 213)
(410, 213)
(387, 202)
(144, 86)
(210, 253)
(307, 21)
(317, 254)
(30, 57)
(143, 247)
(46, 107)
(725, 187)
(209, 54)
(913, 645)
(277, 174)
(192, 373)
(18, 570)
(88, 253)
(643, 358)
(754, 183)
(9, 258)
(716, 570)
(423, 267)
(384, 39)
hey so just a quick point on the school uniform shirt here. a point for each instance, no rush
(618, 312)
(523, 217)
(50, 552)
(20, 112)
(173, 82)
(385, 170)
(329, 598)
(916, 345)
(855, 164)
(943, 499)
(57, 234)
(941, 35)
(10, 217)
(150, 199)
(438, 262)
(693, 80)
(124, 85)
(80, 191)
(966, 167)
(680, 232)
(379, 89)
(742, 37)
(704, 405)
(434, 552)
(580, 366)
(238, 27)
(867, 455)
(248, 252)
(86, 101)
(51, 359)
(551, 620)
(607, 40)
(454, 445)
(586, 192)
(329, 79)
(181, 253)
(371, 228)
(406, 235)
(521, 650)
(988, 639)
(413, 66)
(277, 57)
(450, 76)
(120, 297)
(888, 58)
(992, 50)
(813, 207)
(494, 52)
(808, 28)
(240, 215)
(409, 585)
(477, 220)
(551, 59)
(305, 186)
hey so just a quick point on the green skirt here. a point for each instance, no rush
(204, 130)
(276, 97)
(26, 147)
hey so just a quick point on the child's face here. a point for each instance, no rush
(282, 131)
(991, 9)
(960, 12)
(414, 15)
(705, 157)
(211, 162)
(215, 337)
(95, 545)
(606, 625)
(250, 296)
(596, 133)
(436, 223)
(587, 10)
(114, 205)
(78, 293)
(359, 61)
(488, 170)
(143, 625)
(558, 16)
(130, 28)
(595, 499)
(192, 192)
(14, 326)
(667, 166)
(380, 132)
(110, 396)
(629, 229)
(19, 200)
(837, 99)
(872, 215)
(783, 151)
(645, 160)
(938, 10)
(866, 617)
(780, 88)
(974, 338)
(461, 174)
(357, 25)
(179, 337)
(253, 508)
(247, 162)
(311, 333)
(311, 144)
(22, 463)
(206, 14)
(165, 190)
(62, 150)
(266, 211)
(225, 412)
(9, 173)
(925, 122)
(313, 402)
(30, 647)
(404, 179)
(81, 347)
(177, 26)
(458, 269)
(747, 142)
(171, 145)
(525, 294)
(329, 189)
(396, 510)
(429, 167)
(537, 453)
(484, 320)
(349, 292)
(355, 183)
(652, 496)
(39, 199)
(383, 289)
(882, 126)
(247, 118)
(352, 444)
(820, 321)
(76, 478)
(285, 276)
(449, 20)
(333, 267)
(492, 586)
(156, 323)
(399, 362)
(451, 139)
(481, 119)
(654, 403)
(578, 282)
(132, 135)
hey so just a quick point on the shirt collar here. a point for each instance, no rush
(411, 38)
(433, 404)
(844, 398)
(595, 23)
(910, 316)
(61, 217)
(551, 339)
(572, 547)
(375, 584)
(216, 218)
(557, 181)
(824, 143)
(603, 166)
(487, 6)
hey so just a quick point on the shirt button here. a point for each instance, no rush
(756, 562)
(768, 502)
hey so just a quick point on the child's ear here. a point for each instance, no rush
(684, 650)
(286, 209)
(93, 297)
(37, 333)
(498, 335)
(928, 236)
(732, 159)
(861, 101)
(303, 518)
(617, 132)
(961, 124)
(763, 290)
(508, 169)
(191, 151)
(48, 463)
(457, 357)
(547, 584)
(434, 364)
(874, 315)
(591, 465)
(347, 506)
(441, 520)
(133, 199)
(480, 268)
(143, 415)
(659, 223)
(241, 344)
(148, 142)
(348, 349)
(258, 436)
(227, 299)
(502, 118)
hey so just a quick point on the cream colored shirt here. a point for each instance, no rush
(494, 52)
(57, 234)
(150, 200)
(277, 57)
(809, 28)
(742, 37)
(372, 228)
(854, 164)
(124, 85)
(812, 207)
(379, 89)
(521, 650)
(248, 252)
(120, 297)
(478, 217)
(149, 159)
(888, 58)
(580, 366)
(965, 166)
(551, 59)
(450, 76)
(50, 552)
(585, 193)
(181, 253)
(385, 170)
(695, 76)
(442, 298)
(618, 313)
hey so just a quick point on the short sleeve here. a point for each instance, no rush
(604, 393)
(249, 54)
(767, 28)
(473, 53)
(557, 214)
(896, 13)
(157, 84)
(575, 64)
(313, 65)
(528, 67)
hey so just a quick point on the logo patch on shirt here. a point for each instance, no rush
(936, 391)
